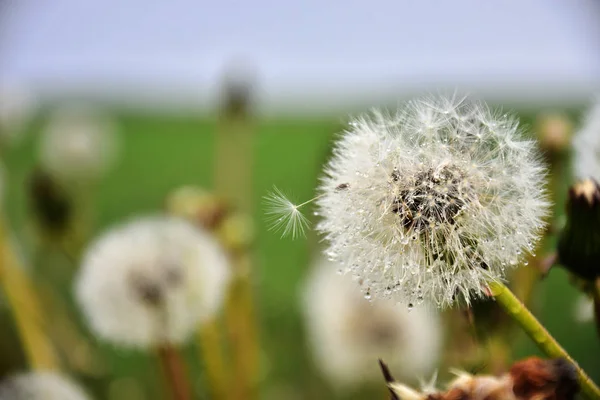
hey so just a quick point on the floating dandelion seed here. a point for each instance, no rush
(285, 216)
(432, 202)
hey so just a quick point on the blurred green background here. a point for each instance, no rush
(160, 153)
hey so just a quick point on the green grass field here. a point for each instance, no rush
(160, 153)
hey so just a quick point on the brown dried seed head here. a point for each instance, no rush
(539, 379)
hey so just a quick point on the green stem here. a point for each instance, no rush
(596, 299)
(536, 331)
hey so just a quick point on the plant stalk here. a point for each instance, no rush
(25, 306)
(234, 181)
(536, 331)
(212, 352)
(174, 371)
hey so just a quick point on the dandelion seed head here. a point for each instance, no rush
(40, 386)
(285, 216)
(583, 309)
(442, 197)
(586, 145)
(17, 105)
(348, 334)
(151, 281)
(78, 144)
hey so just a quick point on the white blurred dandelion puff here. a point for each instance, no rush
(40, 385)
(586, 145)
(348, 333)
(151, 282)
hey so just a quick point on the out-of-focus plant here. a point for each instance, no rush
(148, 285)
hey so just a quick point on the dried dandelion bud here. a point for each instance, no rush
(50, 202)
(579, 242)
(197, 205)
(537, 379)
(40, 386)
(438, 199)
(530, 379)
(348, 333)
(234, 229)
(151, 282)
(554, 132)
(78, 144)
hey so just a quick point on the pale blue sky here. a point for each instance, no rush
(311, 49)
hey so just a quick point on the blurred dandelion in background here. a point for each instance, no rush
(151, 282)
(40, 385)
(348, 333)
(583, 309)
(17, 106)
(78, 144)
(586, 145)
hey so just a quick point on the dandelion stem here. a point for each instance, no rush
(542, 338)
(214, 363)
(25, 305)
(298, 206)
(174, 370)
(234, 165)
(243, 333)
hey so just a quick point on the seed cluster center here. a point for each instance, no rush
(430, 197)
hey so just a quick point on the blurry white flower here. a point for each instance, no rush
(40, 386)
(78, 144)
(151, 281)
(586, 145)
(583, 311)
(432, 202)
(16, 107)
(2, 183)
(348, 333)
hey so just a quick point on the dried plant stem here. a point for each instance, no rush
(174, 370)
(25, 306)
(241, 321)
(214, 363)
(233, 180)
(536, 331)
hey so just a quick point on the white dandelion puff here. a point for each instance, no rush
(285, 216)
(348, 334)
(583, 309)
(438, 199)
(78, 143)
(151, 282)
(17, 106)
(586, 145)
(40, 386)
